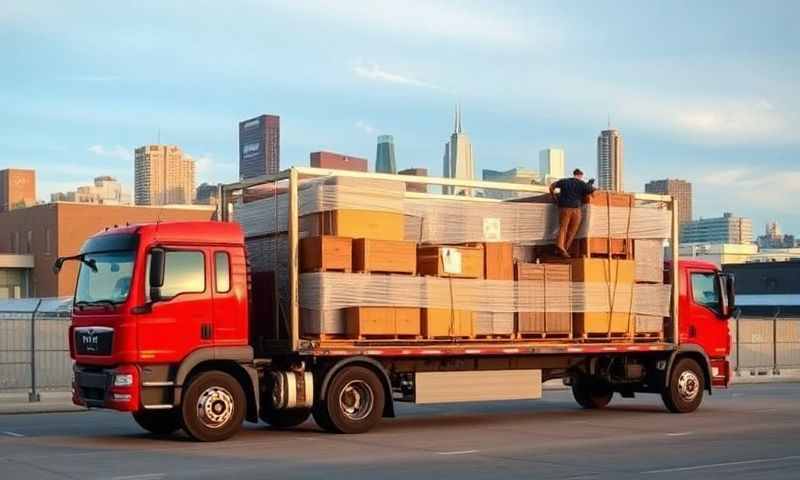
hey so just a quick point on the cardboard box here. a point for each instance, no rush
(442, 322)
(555, 316)
(326, 253)
(649, 324)
(494, 323)
(382, 321)
(384, 256)
(440, 261)
(354, 224)
(608, 281)
(322, 322)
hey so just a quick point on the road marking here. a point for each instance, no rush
(679, 434)
(13, 434)
(726, 464)
(144, 476)
(457, 452)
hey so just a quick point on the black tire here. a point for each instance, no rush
(591, 394)
(285, 418)
(160, 422)
(684, 393)
(353, 403)
(213, 406)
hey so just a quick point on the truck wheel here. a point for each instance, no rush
(684, 393)
(213, 407)
(160, 422)
(285, 418)
(353, 403)
(591, 394)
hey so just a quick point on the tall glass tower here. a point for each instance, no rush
(384, 158)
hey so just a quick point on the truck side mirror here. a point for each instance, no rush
(156, 280)
(728, 294)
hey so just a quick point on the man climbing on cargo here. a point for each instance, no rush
(571, 192)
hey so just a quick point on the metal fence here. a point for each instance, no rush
(34, 348)
(763, 345)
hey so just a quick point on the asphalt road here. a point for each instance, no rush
(751, 431)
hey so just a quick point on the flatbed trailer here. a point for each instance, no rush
(188, 358)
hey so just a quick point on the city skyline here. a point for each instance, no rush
(686, 97)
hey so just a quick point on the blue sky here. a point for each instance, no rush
(705, 91)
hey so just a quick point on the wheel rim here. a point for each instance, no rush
(215, 407)
(688, 385)
(356, 400)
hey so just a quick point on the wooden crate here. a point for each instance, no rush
(649, 256)
(605, 198)
(442, 322)
(326, 253)
(498, 261)
(384, 256)
(599, 247)
(354, 223)
(494, 324)
(613, 280)
(363, 322)
(649, 325)
(431, 261)
(555, 317)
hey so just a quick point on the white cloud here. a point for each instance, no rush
(754, 188)
(117, 152)
(373, 71)
(366, 127)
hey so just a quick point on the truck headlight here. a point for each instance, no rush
(123, 380)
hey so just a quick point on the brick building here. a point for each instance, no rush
(338, 161)
(45, 232)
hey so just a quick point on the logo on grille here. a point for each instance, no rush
(90, 340)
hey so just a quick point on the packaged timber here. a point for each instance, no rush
(380, 263)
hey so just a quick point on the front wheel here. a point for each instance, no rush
(353, 403)
(590, 393)
(160, 422)
(684, 393)
(213, 407)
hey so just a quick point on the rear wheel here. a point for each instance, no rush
(353, 402)
(684, 393)
(285, 418)
(213, 407)
(591, 393)
(160, 422)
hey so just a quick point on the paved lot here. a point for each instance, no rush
(751, 431)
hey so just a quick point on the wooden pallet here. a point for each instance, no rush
(495, 336)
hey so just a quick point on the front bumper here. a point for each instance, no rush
(94, 387)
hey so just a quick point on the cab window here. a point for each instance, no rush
(184, 272)
(222, 267)
(705, 290)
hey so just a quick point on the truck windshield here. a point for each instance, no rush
(109, 283)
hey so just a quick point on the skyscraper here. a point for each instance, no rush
(551, 165)
(384, 158)
(259, 146)
(163, 176)
(609, 160)
(681, 190)
(457, 161)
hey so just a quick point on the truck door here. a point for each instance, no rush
(230, 314)
(705, 323)
(182, 320)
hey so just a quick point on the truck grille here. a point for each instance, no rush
(94, 340)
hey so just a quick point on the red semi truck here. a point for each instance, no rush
(162, 328)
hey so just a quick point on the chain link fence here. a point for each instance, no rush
(34, 345)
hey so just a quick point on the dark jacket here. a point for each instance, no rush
(572, 192)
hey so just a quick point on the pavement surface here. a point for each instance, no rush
(749, 431)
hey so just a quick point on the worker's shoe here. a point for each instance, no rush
(560, 251)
